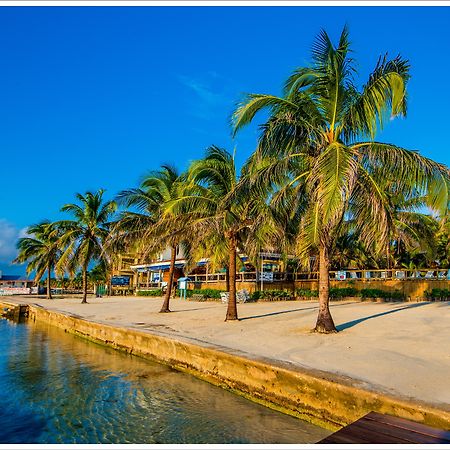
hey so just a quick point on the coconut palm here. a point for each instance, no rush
(320, 139)
(84, 237)
(150, 228)
(221, 215)
(41, 249)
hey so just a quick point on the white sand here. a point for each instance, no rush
(398, 348)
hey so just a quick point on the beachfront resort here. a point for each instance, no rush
(309, 285)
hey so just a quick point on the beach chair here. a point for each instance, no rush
(224, 296)
(242, 296)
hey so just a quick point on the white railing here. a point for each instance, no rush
(340, 275)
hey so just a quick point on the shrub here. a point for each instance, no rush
(379, 293)
(344, 292)
(208, 293)
(438, 293)
(307, 293)
(271, 294)
(152, 293)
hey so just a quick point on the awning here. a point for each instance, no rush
(157, 266)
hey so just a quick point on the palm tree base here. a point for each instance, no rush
(84, 301)
(165, 311)
(227, 319)
(324, 328)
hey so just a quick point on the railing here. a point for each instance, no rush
(338, 275)
(145, 285)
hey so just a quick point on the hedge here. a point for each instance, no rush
(438, 293)
(271, 294)
(352, 292)
(208, 293)
(152, 293)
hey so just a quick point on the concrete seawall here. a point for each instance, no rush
(324, 399)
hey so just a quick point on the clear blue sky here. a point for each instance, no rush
(94, 97)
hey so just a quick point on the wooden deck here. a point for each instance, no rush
(376, 428)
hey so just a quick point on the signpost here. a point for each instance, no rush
(182, 286)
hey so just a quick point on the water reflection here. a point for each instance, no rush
(61, 389)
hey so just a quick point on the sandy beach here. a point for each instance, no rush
(401, 349)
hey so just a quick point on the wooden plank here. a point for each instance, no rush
(356, 433)
(397, 432)
(375, 428)
(409, 425)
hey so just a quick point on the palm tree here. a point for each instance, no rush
(320, 139)
(413, 231)
(85, 236)
(41, 249)
(150, 228)
(220, 213)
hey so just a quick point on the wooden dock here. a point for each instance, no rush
(376, 428)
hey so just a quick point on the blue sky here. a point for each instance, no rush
(95, 97)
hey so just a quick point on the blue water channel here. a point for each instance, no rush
(58, 388)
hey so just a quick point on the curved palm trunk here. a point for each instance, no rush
(85, 285)
(325, 323)
(227, 278)
(173, 255)
(49, 281)
(232, 308)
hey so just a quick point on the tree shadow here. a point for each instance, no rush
(192, 309)
(352, 323)
(289, 311)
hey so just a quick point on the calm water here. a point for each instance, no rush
(57, 388)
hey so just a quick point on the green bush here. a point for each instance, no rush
(334, 292)
(379, 293)
(152, 293)
(271, 294)
(306, 293)
(438, 293)
(208, 293)
(344, 292)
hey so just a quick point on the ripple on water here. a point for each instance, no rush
(62, 389)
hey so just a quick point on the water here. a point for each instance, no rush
(57, 388)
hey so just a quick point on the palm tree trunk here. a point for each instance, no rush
(324, 322)
(85, 285)
(232, 308)
(227, 278)
(173, 255)
(49, 281)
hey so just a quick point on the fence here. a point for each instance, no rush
(340, 275)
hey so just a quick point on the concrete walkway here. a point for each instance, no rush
(401, 349)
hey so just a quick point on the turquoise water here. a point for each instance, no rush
(57, 388)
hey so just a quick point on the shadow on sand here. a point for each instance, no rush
(352, 323)
(290, 310)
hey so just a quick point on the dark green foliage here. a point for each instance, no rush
(271, 294)
(306, 293)
(352, 292)
(343, 292)
(152, 293)
(207, 293)
(379, 293)
(437, 293)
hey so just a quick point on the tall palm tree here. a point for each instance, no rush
(221, 214)
(150, 228)
(41, 249)
(320, 138)
(84, 237)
